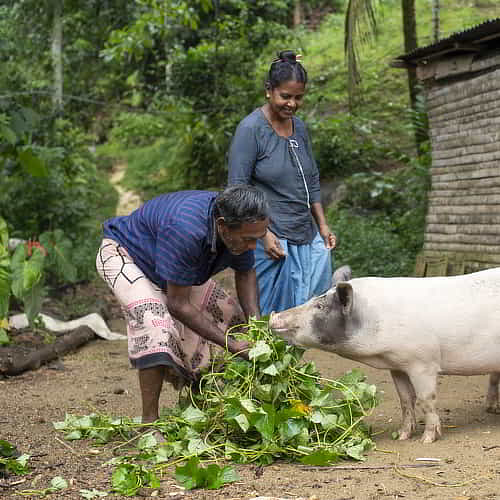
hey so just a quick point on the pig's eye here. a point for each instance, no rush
(320, 306)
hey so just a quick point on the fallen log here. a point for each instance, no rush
(15, 363)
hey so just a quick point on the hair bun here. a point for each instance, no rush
(288, 56)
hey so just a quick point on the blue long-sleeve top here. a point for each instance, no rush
(283, 168)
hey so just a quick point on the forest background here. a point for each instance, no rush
(160, 85)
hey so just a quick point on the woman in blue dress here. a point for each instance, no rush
(272, 151)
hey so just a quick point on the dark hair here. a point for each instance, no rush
(286, 68)
(239, 204)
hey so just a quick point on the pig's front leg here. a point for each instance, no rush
(424, 380)
(407, 399)
(492, 405)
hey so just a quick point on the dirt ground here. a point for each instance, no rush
(97, 378)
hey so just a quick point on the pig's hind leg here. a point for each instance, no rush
(407, 399)
(492, 405)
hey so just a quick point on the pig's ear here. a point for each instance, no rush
(344, 293)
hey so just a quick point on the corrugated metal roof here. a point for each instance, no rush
(488, 30)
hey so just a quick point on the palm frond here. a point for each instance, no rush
(360, 27)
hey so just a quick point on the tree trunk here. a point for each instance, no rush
(435, 21)
(16, 363)
(216, 72)
(410, 41)
(297, 14)
(168, 66)
(57, 38)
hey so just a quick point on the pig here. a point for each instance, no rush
(418, 328)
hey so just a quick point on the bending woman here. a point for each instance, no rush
(272, 151)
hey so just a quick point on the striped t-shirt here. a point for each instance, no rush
(173, 238)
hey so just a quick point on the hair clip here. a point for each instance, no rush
(298, 57)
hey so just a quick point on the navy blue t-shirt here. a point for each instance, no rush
(173, 238)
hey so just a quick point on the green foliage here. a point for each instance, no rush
(274, 406)
(11, 461)
(58, 199)
(5, 282)
(192, 476)
(59, 264)
(25, 29)
(380, 222)
(129, 478)
(70, 196)
(209, 85)
(57, 483)
(17, 151)
(27, 278)
(190, 153)
(369, 245)
(153, 21)
(23, 274)
(137, 129)
(344, 144)
(187, 73)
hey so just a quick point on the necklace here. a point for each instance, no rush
(282, 128)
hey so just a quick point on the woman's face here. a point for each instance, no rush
(286, 99)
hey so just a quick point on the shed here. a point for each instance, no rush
(461, 78)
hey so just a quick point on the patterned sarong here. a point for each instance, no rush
(154, 337)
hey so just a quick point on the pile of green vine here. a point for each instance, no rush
(274, 407)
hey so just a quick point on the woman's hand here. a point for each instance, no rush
(272, 246)
(328, 237)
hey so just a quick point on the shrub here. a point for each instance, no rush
(137, 129)
(68, 194)
(370, 245)
(380, 223)
(343, 144)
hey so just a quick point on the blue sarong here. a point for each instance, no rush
(305, 272)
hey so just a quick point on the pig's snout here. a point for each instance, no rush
(272, 318)
(280, 325)
(276, 323)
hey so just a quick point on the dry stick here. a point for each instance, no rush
(14, 483)
(442, 485)
(488, 448)
(131, 440)
(67, 446)
(368, 467)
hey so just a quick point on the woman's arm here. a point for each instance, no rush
(316, 207)
(242, 156)
(319, 216)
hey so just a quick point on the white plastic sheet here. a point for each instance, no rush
(94, 321)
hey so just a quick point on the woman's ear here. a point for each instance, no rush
(267, 86)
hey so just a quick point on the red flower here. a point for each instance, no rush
(32, 243)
